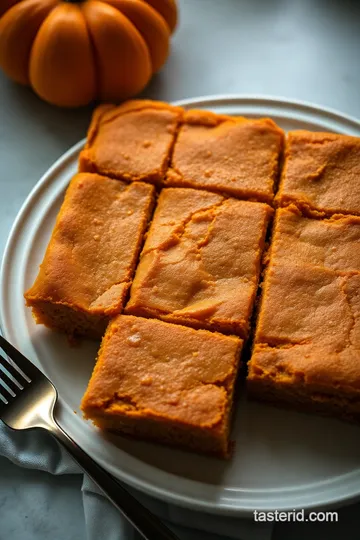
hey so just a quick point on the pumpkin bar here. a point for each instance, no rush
(307, 342)
(201, 261)
(321, 173)
(90, 260)
(235, 156)
(166, 383)
(131, 142)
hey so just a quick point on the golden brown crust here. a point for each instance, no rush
(235, 156)
(201, 261)
(321, 173)
(178, 380)
(131, 142)
(90, 260)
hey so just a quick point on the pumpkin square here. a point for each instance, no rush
(166, 383)
(307, 341)
(321, 173)
(232, 155)
(131, 142)
(90, 260)
(201, 260)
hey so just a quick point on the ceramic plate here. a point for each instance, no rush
(283, 460)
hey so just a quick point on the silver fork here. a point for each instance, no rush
(27, 400)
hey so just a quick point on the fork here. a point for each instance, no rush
(27, 400)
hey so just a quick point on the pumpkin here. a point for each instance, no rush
(73, 52)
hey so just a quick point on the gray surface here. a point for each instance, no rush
(307, 50)
(32, 514)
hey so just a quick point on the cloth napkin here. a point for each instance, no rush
(38, 450)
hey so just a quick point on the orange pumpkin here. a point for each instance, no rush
(77, 51)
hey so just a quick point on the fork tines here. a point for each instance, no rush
(13, 377)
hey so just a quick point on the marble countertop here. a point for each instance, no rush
(306, 50)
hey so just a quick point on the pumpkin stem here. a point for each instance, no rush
(73, 1)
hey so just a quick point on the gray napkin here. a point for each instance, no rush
(38, 450)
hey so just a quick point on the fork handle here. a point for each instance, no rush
(147, 524)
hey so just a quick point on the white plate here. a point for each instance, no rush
(283, 459)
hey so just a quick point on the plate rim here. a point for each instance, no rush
(306, 106)
(166, 494)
